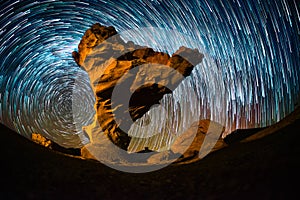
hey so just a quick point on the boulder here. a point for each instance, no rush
(41, 140)
(204, 135)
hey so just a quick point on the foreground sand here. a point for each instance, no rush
(265, 168)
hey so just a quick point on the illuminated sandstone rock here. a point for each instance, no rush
(188, 146)
(107, 59)
(206, 130)
(41, 140)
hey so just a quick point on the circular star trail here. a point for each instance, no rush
(249, 78)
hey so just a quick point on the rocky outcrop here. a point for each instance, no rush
(41, 140)
(200, 139)
(112, 63)
(208, 138)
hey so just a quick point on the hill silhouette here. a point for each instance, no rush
(265, 168)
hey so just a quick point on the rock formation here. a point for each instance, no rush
(190, 146)
(41, 140)
(205, 130)
(109, 61)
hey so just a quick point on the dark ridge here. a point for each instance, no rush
(240, 134)
(43, 141)
(70, 151)
(267, 168)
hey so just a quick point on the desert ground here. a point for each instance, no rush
(263, 166)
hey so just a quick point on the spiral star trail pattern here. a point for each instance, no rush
(251, 46)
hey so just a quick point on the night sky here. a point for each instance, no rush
(249, 76)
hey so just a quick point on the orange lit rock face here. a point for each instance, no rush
(101, 49)
(39, 139)
(191, 145)
(92, 37)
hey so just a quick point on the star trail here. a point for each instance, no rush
(249, 77)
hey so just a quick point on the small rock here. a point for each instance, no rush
(41, 140)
